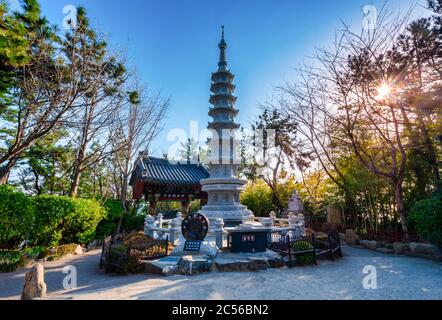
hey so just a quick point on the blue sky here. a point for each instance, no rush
(173, 44)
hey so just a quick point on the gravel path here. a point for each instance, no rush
(397, 278)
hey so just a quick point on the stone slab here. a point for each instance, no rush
(192, 264)
(164, 266)
(237, 262)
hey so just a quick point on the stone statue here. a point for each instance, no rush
(295, 203)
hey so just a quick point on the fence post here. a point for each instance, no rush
(219, 232)
(339, 244)
(314, 249)
(179, 216)
(267, 224)
(290, 252)
(330, 243)
(159, 218)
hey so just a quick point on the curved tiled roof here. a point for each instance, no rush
(164, 172)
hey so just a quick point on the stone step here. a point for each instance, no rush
(164, 266)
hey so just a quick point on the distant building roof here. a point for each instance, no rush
(163, 172)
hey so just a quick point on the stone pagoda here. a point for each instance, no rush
(223, 187)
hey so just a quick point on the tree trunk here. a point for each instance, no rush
(75, 184)
(123, 202)
(6, 170)
(4, 176)
(399, 198)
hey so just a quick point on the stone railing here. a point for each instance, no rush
(294, 225)
(153, 227)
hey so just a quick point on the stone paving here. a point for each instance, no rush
(398, 277)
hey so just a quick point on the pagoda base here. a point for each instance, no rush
(233, 216)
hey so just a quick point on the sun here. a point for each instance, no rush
(383, 91)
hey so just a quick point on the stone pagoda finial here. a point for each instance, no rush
(222, 47)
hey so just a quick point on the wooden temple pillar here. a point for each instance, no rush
(153, 208)
(185, 206)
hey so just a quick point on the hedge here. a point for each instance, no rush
(16, 217)
(10, 261)
(108, 225)
(64, 220)
(114, 211)
(426, 218)
(50, 221)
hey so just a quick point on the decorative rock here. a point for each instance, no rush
(385, 250)
(371, 245)
(388, 245)
(34, 286)
(401, 248)
(351, 237)
(79, 250)
(190, 265)
(207, 248)
(424, 249)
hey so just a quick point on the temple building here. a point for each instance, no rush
(159, 180)
(223, 187)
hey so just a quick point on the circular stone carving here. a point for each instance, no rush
(195, 227)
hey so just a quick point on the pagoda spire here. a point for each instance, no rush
(222, 47)
(223, 188)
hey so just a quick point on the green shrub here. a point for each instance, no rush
(258, 198)
(11, 260)
(64, 220)
(39, 252)
(303, 259)
(114, 211)
(426, 218)
(16, 217)
(132, 222)
(108, 225)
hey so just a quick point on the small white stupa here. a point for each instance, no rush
(295, 203)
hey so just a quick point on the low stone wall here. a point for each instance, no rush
(413, 249)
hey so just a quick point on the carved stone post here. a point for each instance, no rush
(296, 225)
(174, 231)
(272, 217)
(159, 219)
(149, 223)
(219, 232)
